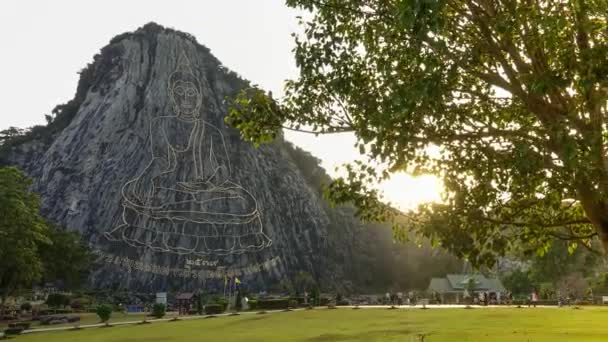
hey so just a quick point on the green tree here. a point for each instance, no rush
(505, 101)
(27, 306)
(159, 310)
(600, 284)
(561, 260)
(31, 249)
(66, 259)
(518, 282)
(56, 300)
(10, 133)
(238, 304)
(104, 312)
(200, 303)
(303, 281)
(22, 231)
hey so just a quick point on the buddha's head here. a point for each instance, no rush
(185, 91)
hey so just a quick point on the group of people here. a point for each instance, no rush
(399, 299)
(490, 298)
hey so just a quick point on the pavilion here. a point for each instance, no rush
(452, 288)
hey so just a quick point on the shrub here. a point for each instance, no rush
(293, 303)
(76, 304)
(272, 304)
(55, 300)
(13, 331)
(199, 304)
(212, 309)
(159, 310)
(24, 325)
(73, 319)
(104, 312)
(27, 306)
(63, 311)
(238, 304)
(253, 304)
(298, 299)
(222, 302)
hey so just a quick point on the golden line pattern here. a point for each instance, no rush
(203, 213)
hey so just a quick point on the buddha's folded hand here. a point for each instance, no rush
(135, 199)
(195, 186)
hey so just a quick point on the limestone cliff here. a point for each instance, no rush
(168, 197)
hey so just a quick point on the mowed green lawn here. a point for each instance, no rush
(345, 324)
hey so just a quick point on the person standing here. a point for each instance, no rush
(534, 296)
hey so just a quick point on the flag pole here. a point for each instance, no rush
(230, 294)
(225, 283)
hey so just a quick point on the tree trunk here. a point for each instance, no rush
(597, 212)
(602, 230)
(2, 301)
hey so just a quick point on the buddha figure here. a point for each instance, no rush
(184, 201)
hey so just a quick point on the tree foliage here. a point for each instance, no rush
(504, 100)
(365, 253)
(104, 312)
(22, 232)
(56, 300)
(159, 310)
(519, 282)
(66, 259)
(31, 249)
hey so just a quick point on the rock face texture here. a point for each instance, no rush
(167, 196)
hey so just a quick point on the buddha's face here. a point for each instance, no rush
(186, 97)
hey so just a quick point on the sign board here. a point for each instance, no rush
(161, 298)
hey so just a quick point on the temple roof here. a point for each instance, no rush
(458, 283)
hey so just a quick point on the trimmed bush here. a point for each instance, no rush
(253, 304)
(62, 311)
(73, 319)
(55, 300)
(24, 325)
(212, 309)
(47, 320)
(79, 303)
(104, 312)
(13, 331)
(299, 300)
(272, 304)
(199, 304)
(159, 310)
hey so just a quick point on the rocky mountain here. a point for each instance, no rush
(168, 197)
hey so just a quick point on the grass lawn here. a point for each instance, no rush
(344, 324)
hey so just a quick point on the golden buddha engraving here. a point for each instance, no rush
(184, 201)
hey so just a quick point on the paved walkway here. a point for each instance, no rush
(180, 318)
(186, 318)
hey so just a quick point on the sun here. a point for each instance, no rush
(407, 192)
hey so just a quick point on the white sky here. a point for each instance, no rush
(45, 43)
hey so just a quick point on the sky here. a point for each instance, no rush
(45, 43)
